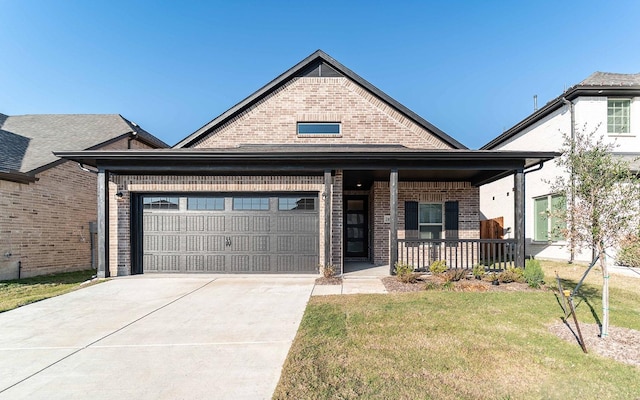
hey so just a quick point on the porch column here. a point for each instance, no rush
(519, 210)
(327, 216)
(393, 223)
(103, 223)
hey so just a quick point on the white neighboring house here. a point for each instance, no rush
(607, 103)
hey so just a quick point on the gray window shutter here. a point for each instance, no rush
(451, 219)
(411, 219)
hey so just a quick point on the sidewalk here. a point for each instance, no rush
(351, 285)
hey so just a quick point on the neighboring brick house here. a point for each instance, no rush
(47, 204)
(317, 167)
(607, 103)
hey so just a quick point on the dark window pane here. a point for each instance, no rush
(250, 203)
(161, 203)
(296, 203)
(318, 128)
(205, 203)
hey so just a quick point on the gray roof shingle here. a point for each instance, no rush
(27, 141)
(611, 79)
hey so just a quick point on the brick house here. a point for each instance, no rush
(47, 204)
(316, 167)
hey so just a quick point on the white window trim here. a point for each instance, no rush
(621, 134)
(549, 241)
(441, 224)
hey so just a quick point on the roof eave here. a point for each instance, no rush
(557, 103)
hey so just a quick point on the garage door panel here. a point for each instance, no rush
(215, 223)
(164, 243)
(215, 263)
(239, 263)
(300, 223)
(307, 244)
(308, 263)
(194, 223)
(161, 223)
(162, 263)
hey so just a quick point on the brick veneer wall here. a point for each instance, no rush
(364, 118)
(423, 192)
(119, 234)
(45, 224)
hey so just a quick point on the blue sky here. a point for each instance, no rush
(469, 67)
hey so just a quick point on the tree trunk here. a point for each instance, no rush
(604, 330)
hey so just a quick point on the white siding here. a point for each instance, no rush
(496, 199)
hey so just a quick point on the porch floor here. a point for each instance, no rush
(364, 269)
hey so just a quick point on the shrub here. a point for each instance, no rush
(629, 254)
(512, 274)
(404, 273)
(448, 286)
(455, 275)
(533, 273)
(438, 267)
(328, 271)
(478, 271)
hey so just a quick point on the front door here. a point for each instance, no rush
(356, 226)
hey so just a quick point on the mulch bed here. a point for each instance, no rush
(622, 344)
(392, 284)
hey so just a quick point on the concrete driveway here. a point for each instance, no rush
(154, 338)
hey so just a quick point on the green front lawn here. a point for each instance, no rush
(17, 293)
(457, 345)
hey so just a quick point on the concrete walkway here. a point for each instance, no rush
(154, 338)
(351, 285)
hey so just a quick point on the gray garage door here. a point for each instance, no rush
(230, 234)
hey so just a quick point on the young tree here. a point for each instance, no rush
(602, 197)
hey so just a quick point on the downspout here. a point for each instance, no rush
(533, 168)
(573, 180)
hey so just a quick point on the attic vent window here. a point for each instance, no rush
(319, 128)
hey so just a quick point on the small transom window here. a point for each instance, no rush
(205, 203)
(250, 203)
(318, 128)
(296, 203)
(161, 203)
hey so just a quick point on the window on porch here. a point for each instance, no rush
(430, 220)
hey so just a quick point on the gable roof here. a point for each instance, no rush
(27, 141)
(314, 65)
(602, 84)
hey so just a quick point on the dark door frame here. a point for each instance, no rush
(367, 227)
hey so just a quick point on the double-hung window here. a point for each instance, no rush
(430, 220)
(618, 116)
(548, 224)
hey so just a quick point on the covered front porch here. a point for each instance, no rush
(424, 213)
